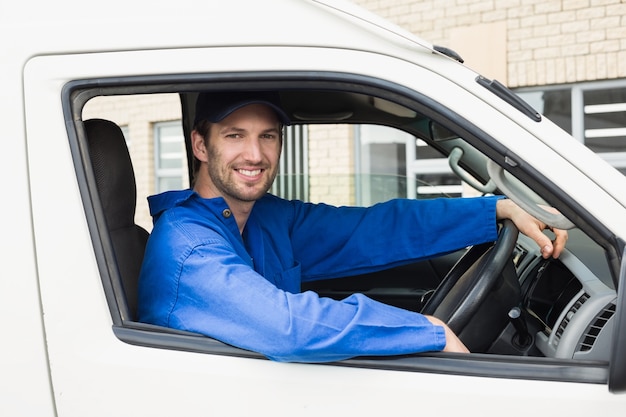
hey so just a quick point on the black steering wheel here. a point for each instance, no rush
(475, 296)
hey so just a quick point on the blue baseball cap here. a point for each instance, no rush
(216, 106)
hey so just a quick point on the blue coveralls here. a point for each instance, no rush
(200, 274)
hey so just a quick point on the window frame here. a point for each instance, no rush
(76, 93)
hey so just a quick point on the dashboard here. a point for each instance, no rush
(569, 302)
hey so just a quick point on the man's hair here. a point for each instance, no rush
(202, 127)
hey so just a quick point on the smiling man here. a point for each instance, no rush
(240, 151)
(227, 259)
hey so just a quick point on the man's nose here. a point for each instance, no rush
(253, 150)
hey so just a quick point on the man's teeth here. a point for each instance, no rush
(250, 173)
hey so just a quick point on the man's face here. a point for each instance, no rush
(242, 153)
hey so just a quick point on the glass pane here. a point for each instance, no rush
(383, 163)
(383, 187)
(170, 183)
(555, 104)
(292, 180)
(423, 151)
(605, 119)
(438, 185)
(171, 146)
(170, 160)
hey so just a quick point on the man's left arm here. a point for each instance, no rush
(352, 240)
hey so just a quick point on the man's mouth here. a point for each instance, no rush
(249, 173)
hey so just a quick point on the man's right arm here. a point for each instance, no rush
(453, 343)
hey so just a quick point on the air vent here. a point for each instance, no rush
(594, 329)
(559, 332)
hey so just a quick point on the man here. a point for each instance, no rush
(226, 259)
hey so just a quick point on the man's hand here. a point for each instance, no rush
(453, 343)
(532, 227)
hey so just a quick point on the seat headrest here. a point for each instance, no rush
(113, 170)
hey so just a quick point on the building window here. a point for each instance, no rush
(594, 113)
(292, 179)
(394, 164)
(170, 165)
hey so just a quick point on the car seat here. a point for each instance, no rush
(115, 179)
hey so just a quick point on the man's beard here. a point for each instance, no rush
(223, 179)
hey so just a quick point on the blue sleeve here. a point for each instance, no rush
(387, 234)
(209, 288)
(241, 308)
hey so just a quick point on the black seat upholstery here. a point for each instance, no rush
(115, 179)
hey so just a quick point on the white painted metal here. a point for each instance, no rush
(52, 305)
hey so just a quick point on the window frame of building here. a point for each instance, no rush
(292, 179)
(178, 174)
(579, 112)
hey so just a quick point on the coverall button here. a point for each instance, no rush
(226, 213)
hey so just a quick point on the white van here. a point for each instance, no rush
(72, 344)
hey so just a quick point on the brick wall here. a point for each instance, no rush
(331, 164)
(547, 41)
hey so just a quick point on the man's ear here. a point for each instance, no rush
(198, 145)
